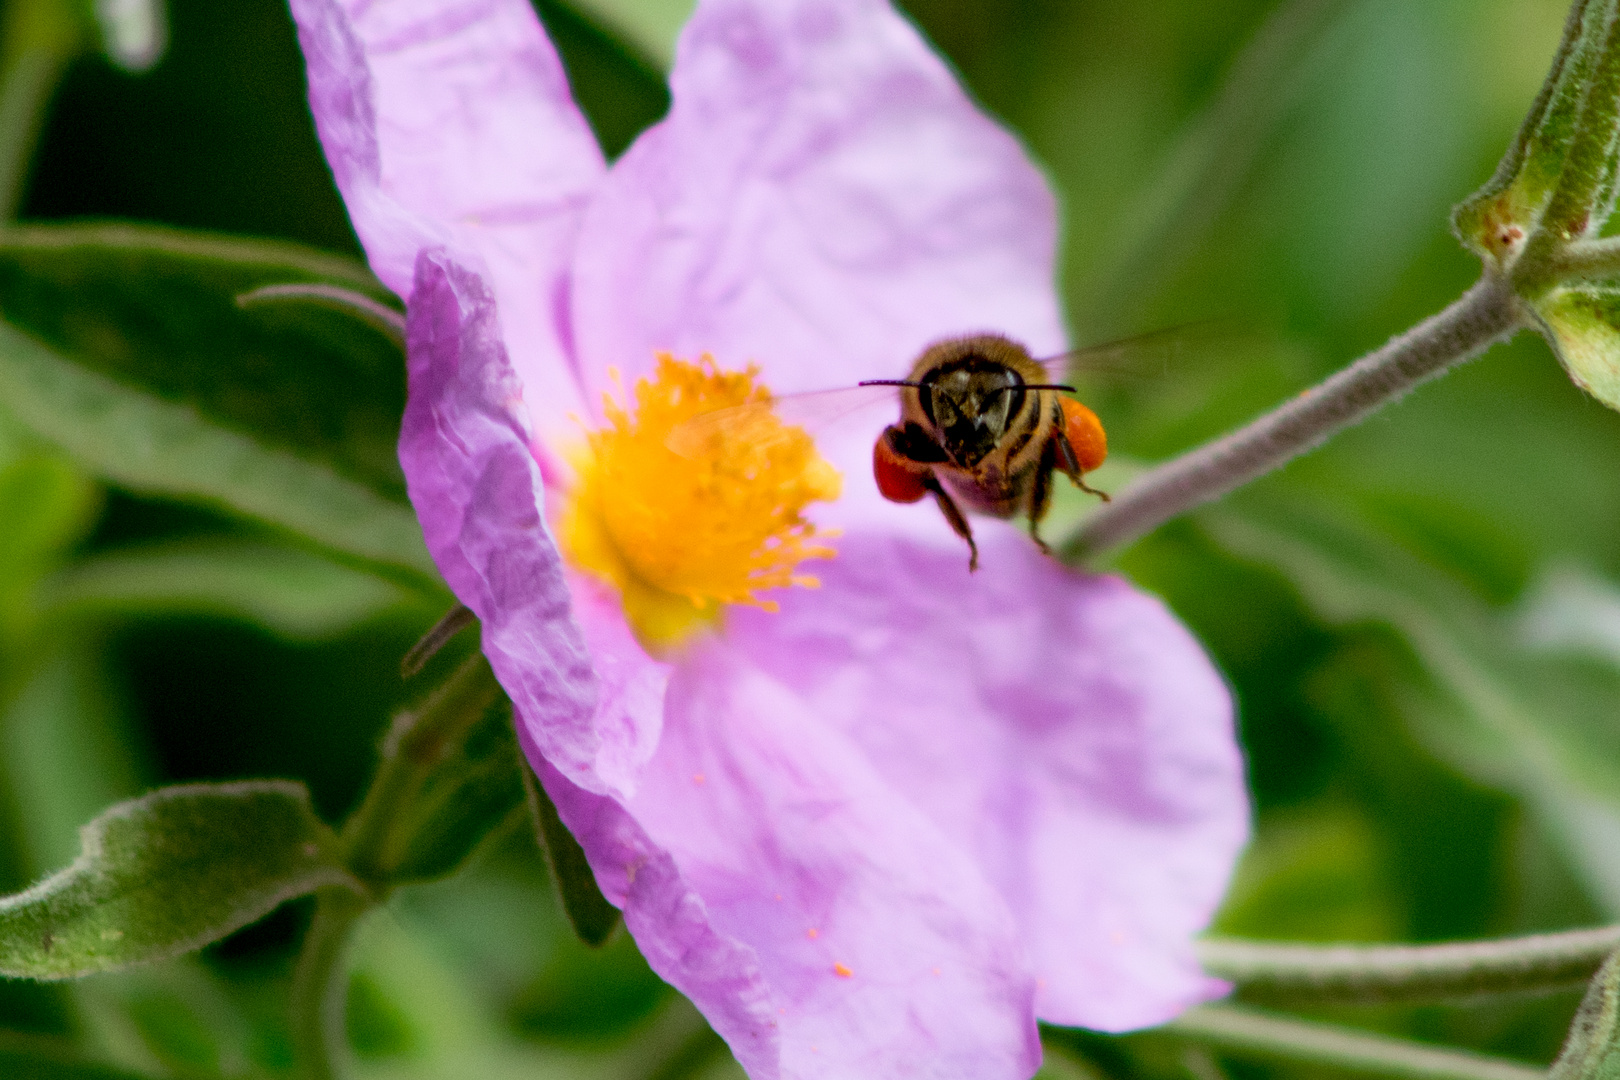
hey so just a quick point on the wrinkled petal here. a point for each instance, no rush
(449, 123)
(477, 491)
(668, 920)
(822, 199)
(772, 874)
(1065, 729)
(557, 641)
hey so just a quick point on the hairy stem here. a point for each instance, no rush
(413, 747)
(1585, 260)
(1251, 1031)
(1487, 313)
(1411, 972)
(320, 985)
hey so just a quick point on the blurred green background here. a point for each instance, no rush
(1421, 621)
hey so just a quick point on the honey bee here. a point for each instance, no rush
(981, 429)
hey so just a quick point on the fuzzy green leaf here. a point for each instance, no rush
(167, 873)
(1583, 326)
(1592, 1051)
(295, 593)
(127, 347)
(1563, 156)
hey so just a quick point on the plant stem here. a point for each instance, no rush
(1245, 1030)
(379, 315)
(1485, 314)
(454, 622)
(1407, 972)
(413, 747)
(320, 985)
(1585, 260)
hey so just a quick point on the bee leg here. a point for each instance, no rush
(1040, 498)
(1070, 464)
(958, 521)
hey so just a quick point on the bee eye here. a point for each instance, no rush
(925, 398)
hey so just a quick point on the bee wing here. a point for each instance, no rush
(814, 412)
(1153, 355)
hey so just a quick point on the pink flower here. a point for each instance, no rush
(881, 830)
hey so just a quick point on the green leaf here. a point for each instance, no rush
(649, 25)
(295, 593)
(126, 346)
(1560, 151)
(1555, 189)
(46, 505)
(1592, 1051)
(1582, 323)
(168, 873)
(23, 1058)
(1535, 724)
(593, 918)
(616, 56)
(67, 748)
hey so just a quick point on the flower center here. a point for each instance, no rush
(680, 535)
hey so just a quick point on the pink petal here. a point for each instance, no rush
(558, 642)
(449, 123)
(1064, 729)
(772, 874)
(668, 920)
(477, 491)
(822, 199)
(630, 701)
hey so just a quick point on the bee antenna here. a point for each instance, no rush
(1037, 386)
(890, 382)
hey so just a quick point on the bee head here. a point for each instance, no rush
(970, 400)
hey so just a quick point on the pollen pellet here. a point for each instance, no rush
(681, 536)
(842, 972)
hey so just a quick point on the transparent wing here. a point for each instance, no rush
(814, 412)
(1154, 355)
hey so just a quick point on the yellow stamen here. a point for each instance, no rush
(682, 535)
